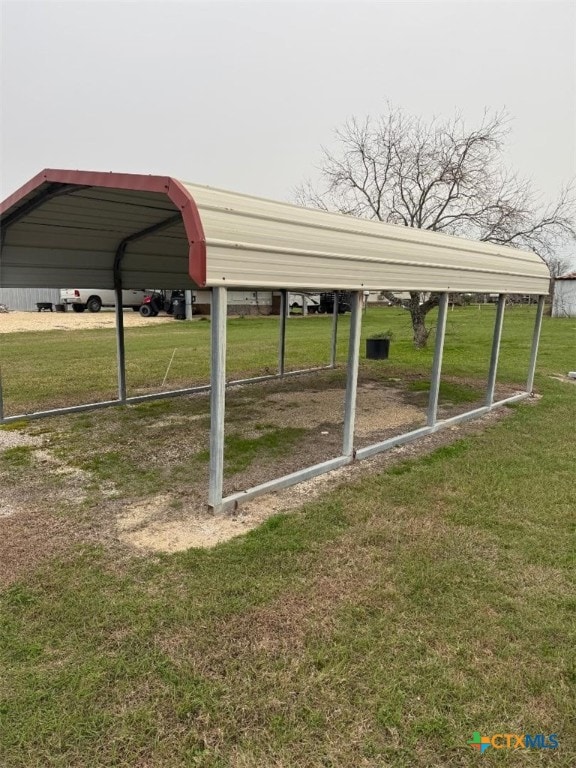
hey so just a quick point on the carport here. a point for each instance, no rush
(120, 231)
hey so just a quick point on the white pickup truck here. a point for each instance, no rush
(93, 299)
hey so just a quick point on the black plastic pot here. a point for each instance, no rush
(377, 349)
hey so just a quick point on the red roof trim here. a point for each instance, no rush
(172, 188)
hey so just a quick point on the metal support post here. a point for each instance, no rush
(282, 335)
(334, 331)
(188, 300)
(1, 399)
(437, 365)
(352, 373)
(120, 346)
(535, 342)
(304, 305)
(495, 349)
(117, 273)
(217, 396)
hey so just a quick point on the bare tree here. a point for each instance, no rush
(438, 175)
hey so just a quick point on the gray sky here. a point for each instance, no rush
(242, 94)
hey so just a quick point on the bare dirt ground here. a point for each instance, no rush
(377, 408)
(51, 503)
(14, 322)
(144, 526)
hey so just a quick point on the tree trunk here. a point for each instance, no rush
(418, 314)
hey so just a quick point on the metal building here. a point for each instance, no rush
(123, 231)
(564, 303)
(25, 299)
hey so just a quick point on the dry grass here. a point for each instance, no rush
(139, 475)
(379, 624)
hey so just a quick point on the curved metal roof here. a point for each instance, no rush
(70, 228)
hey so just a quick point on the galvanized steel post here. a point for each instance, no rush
(282, 335)
(535, 342)
(117, 275)
(334, 331)
(120, 346)
(188, 301)
(495, 349)
(217, 396)
(1, 398)
(352, 373)
(437, 365)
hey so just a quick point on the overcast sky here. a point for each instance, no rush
(241, 95)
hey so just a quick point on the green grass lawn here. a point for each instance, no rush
(56, 368)
(381, 625)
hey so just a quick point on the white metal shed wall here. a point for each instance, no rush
(26, 298)
(564, 304)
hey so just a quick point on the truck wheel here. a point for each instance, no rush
(94, 304)
(78, 307)
(146, 310)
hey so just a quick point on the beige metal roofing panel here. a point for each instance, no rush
(64, 228)
(262, 243)
(301, 272)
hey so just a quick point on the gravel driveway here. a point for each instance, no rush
(13, 322)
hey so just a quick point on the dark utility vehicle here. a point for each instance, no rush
(326, 305)
(163, 301)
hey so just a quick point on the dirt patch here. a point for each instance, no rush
(15, 322)
(39, 507)
(14, 439)
(377, 408)
(140, 496)
(203, 529)
(33, 533)
(138, 529)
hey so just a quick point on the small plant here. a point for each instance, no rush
(382, 335)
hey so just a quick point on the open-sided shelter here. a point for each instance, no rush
(122, 231)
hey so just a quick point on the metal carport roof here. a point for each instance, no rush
(81, 228)
(72, 228)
